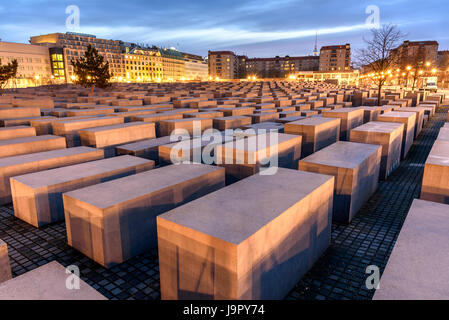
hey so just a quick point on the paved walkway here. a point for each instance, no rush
(339, 274)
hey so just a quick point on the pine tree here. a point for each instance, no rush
(91, 70)
(7, 72)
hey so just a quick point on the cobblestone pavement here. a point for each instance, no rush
(339, 274)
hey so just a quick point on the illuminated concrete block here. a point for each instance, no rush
(389, 136)
(28, 163)
(192, 126)
(370, 113)
(239, 111)
(116, 220)
(309, 113)
(20, 121)
(12, 113)
(70, 128)
(37, 197)
(198, 150)
(355, 167)
(108, 137)
(409, 121)
(148, 149)
(47, 282)
(350, 118)
(417, 267)
(289, 119)
(270, 234)
(16, 132)
(25, 145)
(317, 133)
(209, 115)
(5, 267)
(89, 112)
(419, 117)
(244, 157)
(435, 184)
(232, 122)
(42, 126)
(263, 117)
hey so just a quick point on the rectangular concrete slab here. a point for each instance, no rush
(34, 162)
(25, 145)
(386, 134)
(231, 122)
(417, 267)
(11, 113)
(252, 240)
(350, 118)
(47, 282)
(317, 133)
(148, 149)
(419, 117)
(109, 136)
(37, 197)
(116, 220)
(192, 126)
(70, 128)
(245, 157)
(435, 183)
(409, 121)
(5, 267)
(355, 167)
(16, 132)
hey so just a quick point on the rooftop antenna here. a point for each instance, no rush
(315, 50)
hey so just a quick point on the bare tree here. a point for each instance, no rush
(376, 56)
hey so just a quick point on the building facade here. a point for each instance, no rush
(196, 68)
(335, 58)
(33, 64)
(280, 67)
(223, 65)
(143, 65)
(416, 54)
(173, 64)
(74, 45)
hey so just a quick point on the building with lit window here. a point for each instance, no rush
(417, 54)
(223, 65)
(335, 58)
(74, 45)
(280, 67)
(33, 64)
(173, 64)
(143, 65)
(196, 67)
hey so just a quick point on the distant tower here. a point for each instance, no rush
(315, 50)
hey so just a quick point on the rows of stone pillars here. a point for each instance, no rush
(298, 156)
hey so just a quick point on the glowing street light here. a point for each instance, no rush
(409, 68)
(427, 64)
(434, 70)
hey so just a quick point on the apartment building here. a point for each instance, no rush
(34, 63)
(223, 65)
(73, 46)
(143, 65)
(173, 64)
(335, 58)
(279, 67)
(417, 54)
(196, 68)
